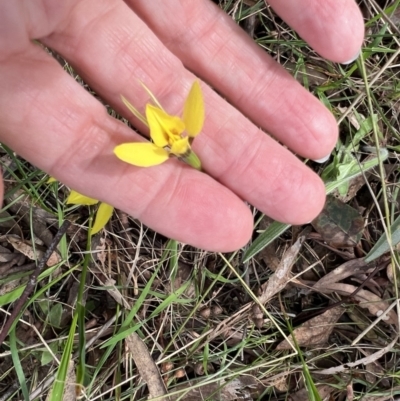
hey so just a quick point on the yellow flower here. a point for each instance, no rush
(104, 212)
(171, 135)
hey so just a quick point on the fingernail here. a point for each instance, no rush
(353, 59)
(323, 160)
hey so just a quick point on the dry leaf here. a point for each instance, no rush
(314, 332)
(11, 285)
(366, 299)
(70, 390)
(339, 224)
(363, 361)
(5, 254)
(373, 371)
(15, 265)
(355, 184)
(378, 398)
(36, 254)
(350, 268)
(353, 119)
(146, 366)
(281, 383)
(33, 215)
(278, 281)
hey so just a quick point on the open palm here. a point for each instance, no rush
(49, 119)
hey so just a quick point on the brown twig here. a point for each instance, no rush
(33, 281)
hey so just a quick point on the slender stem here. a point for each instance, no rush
(193, 160)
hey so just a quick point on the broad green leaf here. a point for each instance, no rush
(47, 356)
(339, 224)
(382, 245)
(12, 295)
(55, 315)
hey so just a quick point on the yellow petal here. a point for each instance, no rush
(162, 125)
(180, 146)
(193, 112)
(51, 180)
(75, 198)
(141, 154)
(103, 214)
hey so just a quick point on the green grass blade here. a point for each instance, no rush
(270, 234)
(172, 247)
(358, 170)
(16, 292)
(17, 364)
(122, 333)
(81, 366)
(57, 391)
(313, 393)
(382, 245)
(276, 229)
(81, 310)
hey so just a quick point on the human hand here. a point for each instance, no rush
(49, 119)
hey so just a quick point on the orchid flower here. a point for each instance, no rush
(104, 212)
(170, 135)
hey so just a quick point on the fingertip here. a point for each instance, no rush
(239, 230)
(345, 35)
(299, 195)
(316, 200)
(310, 201)
(353, 59)
(325, 133)
(316, 130)
(323, 159)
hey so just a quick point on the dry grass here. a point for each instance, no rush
(209, 321)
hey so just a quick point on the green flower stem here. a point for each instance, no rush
(193, 160)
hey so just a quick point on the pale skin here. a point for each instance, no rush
(49, 119)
